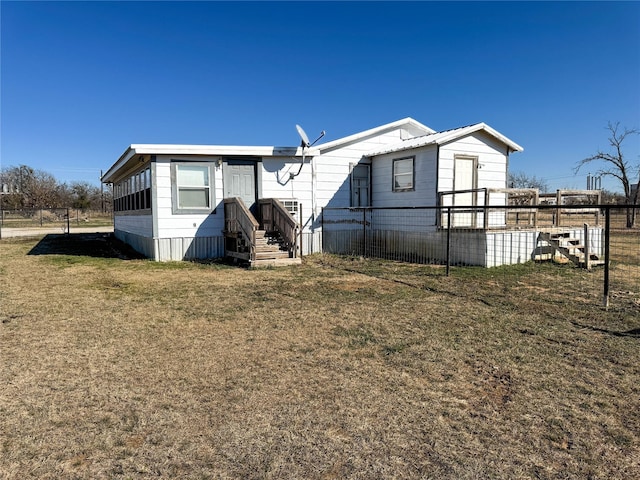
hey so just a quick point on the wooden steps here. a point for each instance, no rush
(246, 242)
(269, 252)
(570, 248)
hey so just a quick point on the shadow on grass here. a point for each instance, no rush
(100, 245)
(635, 333)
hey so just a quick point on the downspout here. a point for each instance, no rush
(437, 193)
(314, 200)
(437, 170)
(506, 172)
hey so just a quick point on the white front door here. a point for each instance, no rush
(464, 178)
(240, 181)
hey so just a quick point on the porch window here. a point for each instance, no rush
(403, 174)
(191, 187)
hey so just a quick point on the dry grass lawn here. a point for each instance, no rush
(339, 368)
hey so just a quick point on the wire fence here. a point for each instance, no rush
(49, 220)
(592, 242)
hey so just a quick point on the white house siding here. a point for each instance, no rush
(186, 236)
(137, 224)
(329, 178)
(195, 236)
(424, 190)
(492, 160)
(423, 194)
(331, 181)
(191, 225)
(135, 230)
(412, 233)
(333, 188)
(277, 183)
(491, 172)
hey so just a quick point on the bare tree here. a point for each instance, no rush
(523, 180)
(85, 196)
(617, 166)
(27, 188)
(43, 189)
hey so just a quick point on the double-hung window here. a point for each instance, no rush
(192, 187)
(403, 173)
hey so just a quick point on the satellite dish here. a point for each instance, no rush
(304, 144)
(303, 137)
(305, 140)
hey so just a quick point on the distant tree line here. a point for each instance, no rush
(23, 188)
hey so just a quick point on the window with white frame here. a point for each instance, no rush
(192, 187)
(403, 173)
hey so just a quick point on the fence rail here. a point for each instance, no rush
(453, 236)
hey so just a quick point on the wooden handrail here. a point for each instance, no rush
(239, 220)
(275, 217)
(518, 197)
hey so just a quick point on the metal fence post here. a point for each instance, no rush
(607, 237)
(364, 232)
(301, 226)
(321, 229)
(448, 239)
(587, 247)
(68, 223)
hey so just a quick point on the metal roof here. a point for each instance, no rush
(404, 122)
(446, 136)
(127, 158)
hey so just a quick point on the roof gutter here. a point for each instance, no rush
(124, 158)
(204, 150)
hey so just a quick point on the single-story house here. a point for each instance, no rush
(175, 202)
(169, 199)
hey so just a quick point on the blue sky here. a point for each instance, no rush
(80, 81)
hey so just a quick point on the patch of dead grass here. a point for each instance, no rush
(334, 369)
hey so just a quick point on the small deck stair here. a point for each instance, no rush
(272, 243)
(271, 252)
(570, 248)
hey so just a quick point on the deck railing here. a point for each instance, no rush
(240, 229)
(470, 211)
(276, 218)
(573, 197)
